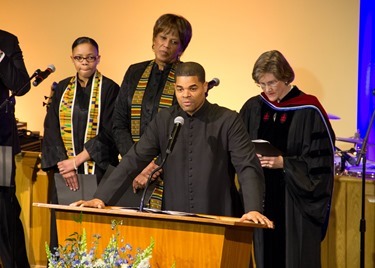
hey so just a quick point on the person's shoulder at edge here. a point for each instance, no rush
(210, 109)
(7, 34)
(138, 66)
(109, 80)
(252, 100)
(62, 84)
(134, 72)
(219, 110)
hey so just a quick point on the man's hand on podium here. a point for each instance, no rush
(257, 217)
(93, 203)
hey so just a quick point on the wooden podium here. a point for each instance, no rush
(187, 241)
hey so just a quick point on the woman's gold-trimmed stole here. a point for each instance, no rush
(166, 100)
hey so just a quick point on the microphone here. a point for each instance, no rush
(43, 75)
(178, 122)
(213, 83)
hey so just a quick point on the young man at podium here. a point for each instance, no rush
(210, 148)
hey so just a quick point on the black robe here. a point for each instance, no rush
(298, 196)
(150, 102)
(53, 149)
(211, 147)
(13, 77)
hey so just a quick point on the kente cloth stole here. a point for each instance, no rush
(156, 198)
(66, 117)
(166, 99)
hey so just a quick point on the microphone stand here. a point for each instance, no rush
(179, 121)
(12, 186)
(362, 224)
(141, 206)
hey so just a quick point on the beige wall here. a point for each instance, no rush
(319, 38)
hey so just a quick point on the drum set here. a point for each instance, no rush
(346, 161)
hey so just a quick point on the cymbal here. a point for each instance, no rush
(350, 140)
(333, 117)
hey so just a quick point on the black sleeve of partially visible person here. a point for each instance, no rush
(122, 112)
(111, 189)
(132, 163)
(121, 117)
(13, 73)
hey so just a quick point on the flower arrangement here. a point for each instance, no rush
(117, 254)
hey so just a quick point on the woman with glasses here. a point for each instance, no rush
(299, 181)
(81, 108)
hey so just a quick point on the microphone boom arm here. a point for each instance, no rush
(141, 206)
(14, 93)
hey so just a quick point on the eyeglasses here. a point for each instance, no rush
(88, 58)
(268, 84)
